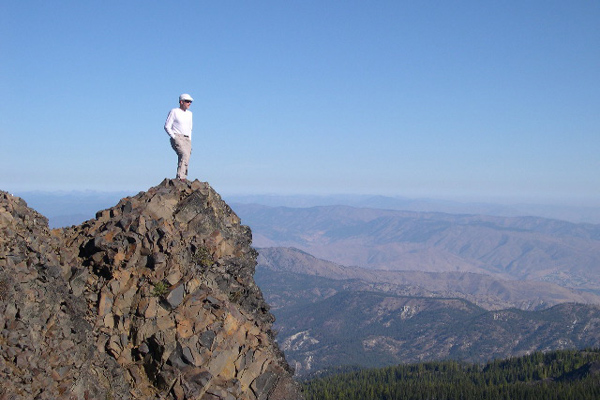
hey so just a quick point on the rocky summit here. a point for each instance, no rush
(153, 299)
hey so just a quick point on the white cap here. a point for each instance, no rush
(185, 96)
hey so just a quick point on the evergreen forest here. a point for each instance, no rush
(557, 375)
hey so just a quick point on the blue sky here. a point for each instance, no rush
(457, 99)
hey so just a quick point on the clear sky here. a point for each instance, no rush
(477, 99)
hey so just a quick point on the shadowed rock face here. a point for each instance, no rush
(155, 297)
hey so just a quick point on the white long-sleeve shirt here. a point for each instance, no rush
(179, 122)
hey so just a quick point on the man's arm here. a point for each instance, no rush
(169, 124)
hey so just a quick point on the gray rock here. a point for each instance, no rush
(176, 296)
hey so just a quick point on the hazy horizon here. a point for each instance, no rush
(463, 198)
(73, 207)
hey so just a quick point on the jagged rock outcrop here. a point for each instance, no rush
(47, 348)
(154, 298)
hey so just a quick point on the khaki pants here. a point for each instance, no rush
(183, 147)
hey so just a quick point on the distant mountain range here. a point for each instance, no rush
(572, 213)
(377, 287)
(315, 279)
(329, 315)
(508, 248)
(65, 208)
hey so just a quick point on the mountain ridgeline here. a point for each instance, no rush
(152, 299)
(486, 291)
(329, 315)
(376, 287)
(515, 248)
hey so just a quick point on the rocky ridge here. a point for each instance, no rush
(154, 298)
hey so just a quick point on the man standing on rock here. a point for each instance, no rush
(179, 128)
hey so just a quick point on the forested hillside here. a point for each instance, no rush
(559, 375)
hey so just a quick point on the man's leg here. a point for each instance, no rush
(183, 147)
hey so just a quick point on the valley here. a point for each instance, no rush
(329, 315)
(373, 287)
